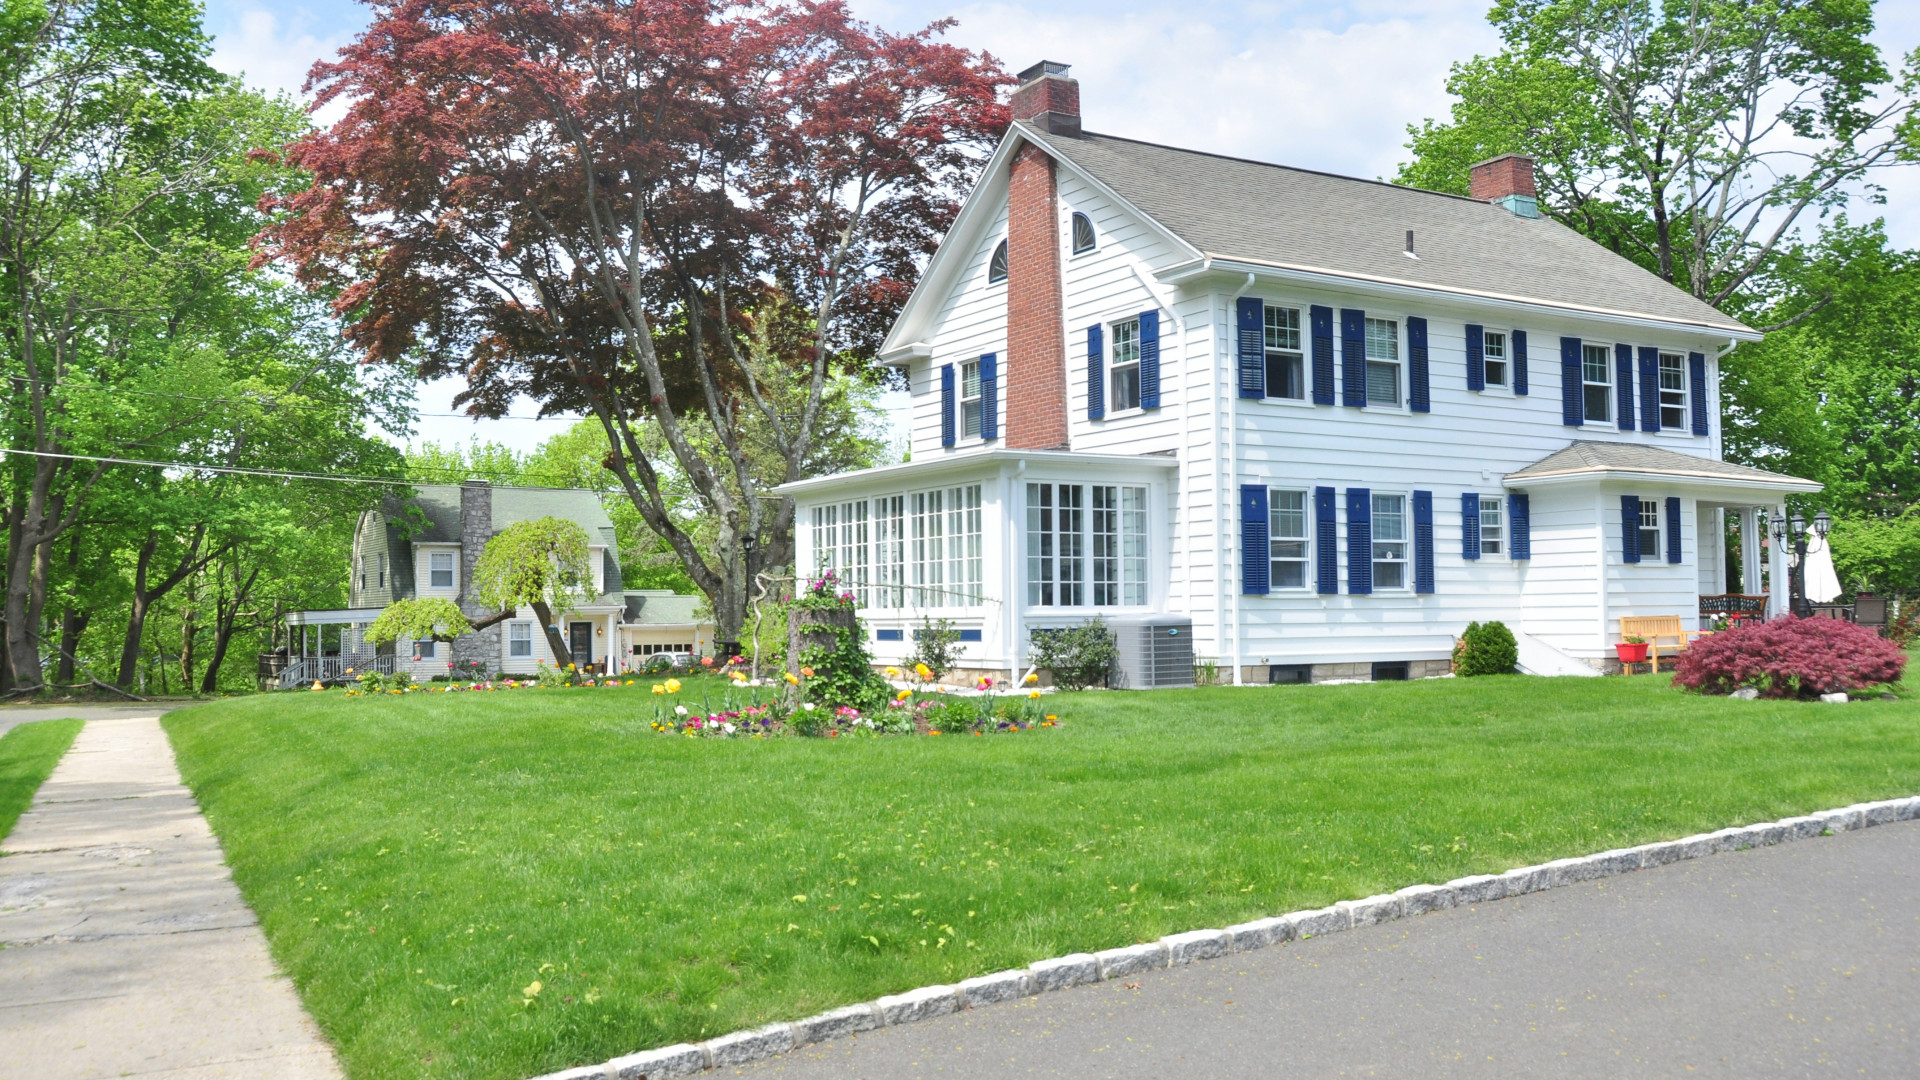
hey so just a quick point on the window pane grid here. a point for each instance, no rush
(1124, 390)
(1389, 541)
(1287, 538)
(1077, 538)
(1597, 375)
(1649, 529)
(1493, 348)
(1492, 527)
(1673, 391)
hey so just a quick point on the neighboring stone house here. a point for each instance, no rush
(427, 545)
(1329, 420)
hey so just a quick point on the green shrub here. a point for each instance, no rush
(955, 717)
(1078, 656)
(843, 673)
(937, 645)
(658, 664)
(1486, 649)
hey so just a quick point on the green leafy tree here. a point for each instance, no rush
(419, 618)
(542, 564)
(1689, 137)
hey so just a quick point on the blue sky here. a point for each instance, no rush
(1321, 85)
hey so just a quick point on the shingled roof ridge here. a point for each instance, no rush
(1267, 164)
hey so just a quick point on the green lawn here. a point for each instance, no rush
(28, 754)
(419, 862)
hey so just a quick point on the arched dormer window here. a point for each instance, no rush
(997, 266)
(1082, 233)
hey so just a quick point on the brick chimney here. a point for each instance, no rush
(1048, 99)
(1506, 180)
(1036, 321)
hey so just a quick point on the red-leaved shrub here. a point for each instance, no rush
(1790, 657)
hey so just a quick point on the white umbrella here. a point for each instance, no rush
(1823, 585)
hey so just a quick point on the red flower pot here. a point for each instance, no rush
(1631, 652)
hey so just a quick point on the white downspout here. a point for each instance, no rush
(1223, 365)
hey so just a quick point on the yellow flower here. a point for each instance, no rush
(792, 679)
(903, 695)
(1035, 694)
(569, 667)
(673, 686)
(923, 671)
(532, 990)
(659, 689)
(893, 673)
(1050, 716)
(1032, 677)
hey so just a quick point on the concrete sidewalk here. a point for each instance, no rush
(125, 948)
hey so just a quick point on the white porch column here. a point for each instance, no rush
(1780, 596)
(1750, 550)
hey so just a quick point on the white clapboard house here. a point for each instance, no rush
(1329, 420)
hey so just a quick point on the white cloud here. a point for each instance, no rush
(274, 49)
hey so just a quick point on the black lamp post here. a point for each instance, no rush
(1795, 530)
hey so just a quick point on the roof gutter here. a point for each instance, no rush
(1567, 479)
(1389, 287)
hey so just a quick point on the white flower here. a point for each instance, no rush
(808, 706)
(728, 728)
(680, 710)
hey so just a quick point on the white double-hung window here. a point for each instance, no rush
(1123, 382)
(1492, 525)
(970, 399)
(1389, 541)
(1069, 548)
(520, 639)
(1287, 538)
(1493, 350)
(440, 569)
(1286, 375)
(1649, 529)
(1383, 362)
(1673, 391)
(1596, 376)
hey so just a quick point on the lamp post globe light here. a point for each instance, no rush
(1794, 530)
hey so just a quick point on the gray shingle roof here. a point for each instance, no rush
(1583, 456)
(654, 607)
(1250, 211)
(441, 505)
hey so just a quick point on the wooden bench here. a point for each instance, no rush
(1655, 627)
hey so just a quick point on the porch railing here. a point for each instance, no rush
(307, 670)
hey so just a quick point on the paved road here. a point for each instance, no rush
(11, 715)
(1789, 961)
(125, 949)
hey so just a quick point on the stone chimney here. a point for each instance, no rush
(476, 528)
(1048, 99)
(1507, 181)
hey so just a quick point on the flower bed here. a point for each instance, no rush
(925, 710)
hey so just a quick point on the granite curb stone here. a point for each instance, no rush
(1058, 973)
(1131, 959)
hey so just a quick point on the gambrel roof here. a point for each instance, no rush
(1250, 211)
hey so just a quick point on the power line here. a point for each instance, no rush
(277, 474)
(269, 403)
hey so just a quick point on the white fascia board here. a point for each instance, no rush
(945, 464)
(1099, 185)
(906, 354)
(931, 290)
(1398, 287)
(1785, 485)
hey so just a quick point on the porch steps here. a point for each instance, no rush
(1539, 658)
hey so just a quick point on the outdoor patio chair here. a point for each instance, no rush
(1655, 628)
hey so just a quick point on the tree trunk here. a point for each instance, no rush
(23, 655)
(187, 633)
(555, 640)
(226, 616)
(143, 597)
(73, 623)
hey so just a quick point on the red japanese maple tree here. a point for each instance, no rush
(585, 200)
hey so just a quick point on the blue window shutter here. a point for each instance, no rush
(946, 405)
(1697, 390)
(1519, 526)
(1321, 320)
(1673, 529)
(1326, 542)
(1517, 359)
(1649, 388)
(1150, 359)
(989, 396)
(1423, 542)
(1359, 541)
(1254, 551)
(1251, 319)
(1630, 528)
(1419, 399)
(1623, 384)
(1476, 357)
(1353, 358)
(1572, 409)
(1096, 372)
(1470, 525)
